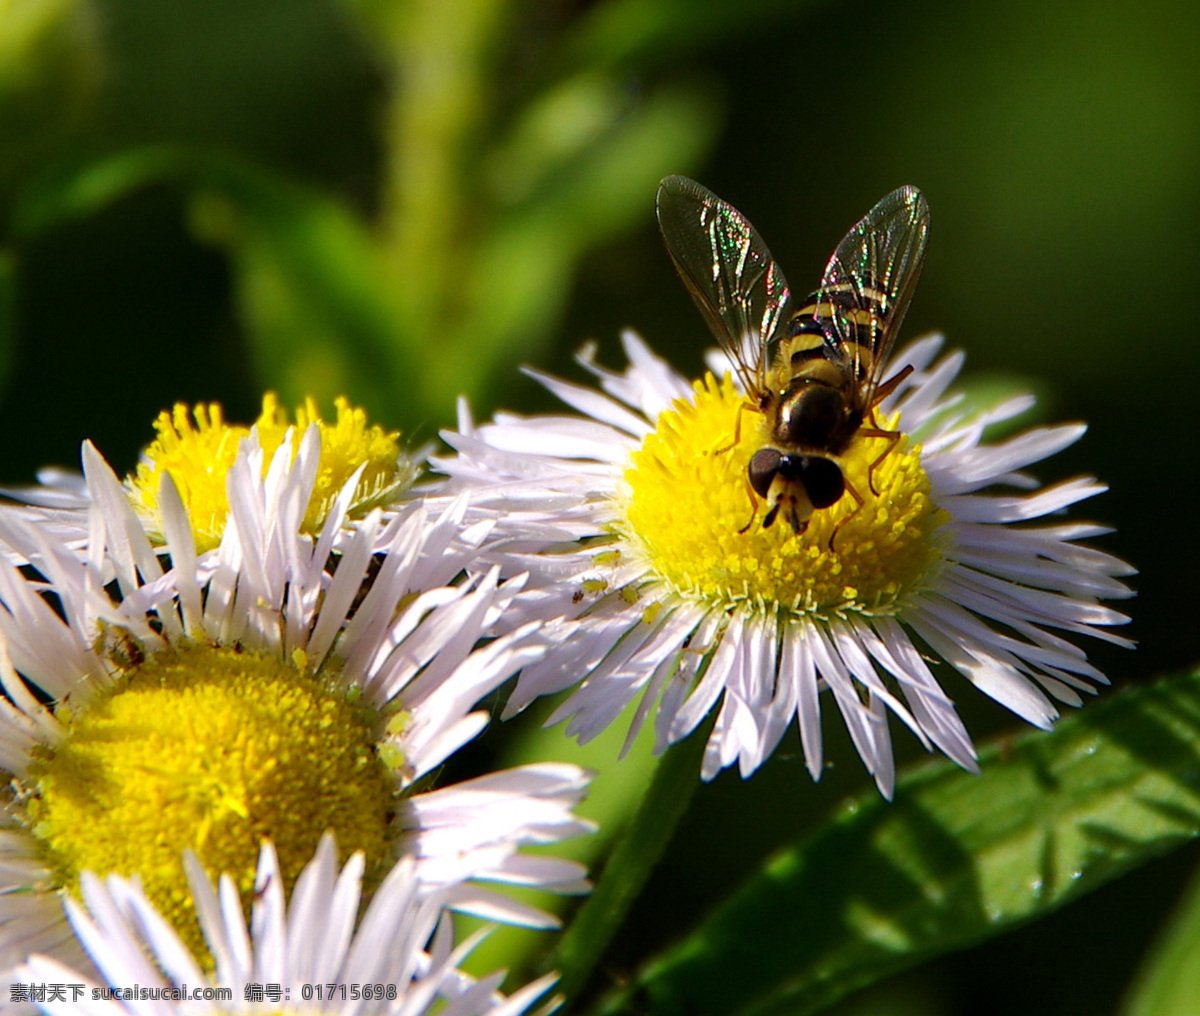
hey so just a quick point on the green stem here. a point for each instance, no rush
(630, 865)
(443, 55)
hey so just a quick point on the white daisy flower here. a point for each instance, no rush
(268, 689)
(309, 955)
(632, 522)
(197, 446)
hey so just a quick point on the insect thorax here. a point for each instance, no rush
(813, 416)
(811, 405)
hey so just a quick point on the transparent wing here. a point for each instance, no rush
(729, 271)
(868, 284)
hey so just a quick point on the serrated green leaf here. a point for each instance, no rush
(955, 859)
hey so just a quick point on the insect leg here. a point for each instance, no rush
(753, 505)
(892, 437)
(857, 507)
(890, 385)
(737, 429)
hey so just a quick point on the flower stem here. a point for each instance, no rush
(630, 864)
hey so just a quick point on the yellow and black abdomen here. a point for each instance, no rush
(842, 324)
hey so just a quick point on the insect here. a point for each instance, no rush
(814, 373)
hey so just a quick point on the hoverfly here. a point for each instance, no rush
(815, 373)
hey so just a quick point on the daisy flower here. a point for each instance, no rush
(197, 447)
(309, 955)
(270, 689)
(632, 522)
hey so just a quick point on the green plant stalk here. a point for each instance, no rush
(583, 943)
(442, 55)
(620, 783)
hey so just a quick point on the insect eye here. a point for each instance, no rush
(823, 480)
(763, 467)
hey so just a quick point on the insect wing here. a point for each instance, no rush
(868, 285)
(729, 271)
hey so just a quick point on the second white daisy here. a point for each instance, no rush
(268, 690)
(632, 522)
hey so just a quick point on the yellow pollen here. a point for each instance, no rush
(197, 447)
(688, 497)
(214, 750)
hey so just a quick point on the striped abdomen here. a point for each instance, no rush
(843, 324)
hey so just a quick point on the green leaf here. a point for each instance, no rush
(75, 189)
(314, 295)
(955, 859)
(661, 30)
(1169, 982)
(525, 265)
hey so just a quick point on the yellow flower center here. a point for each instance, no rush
(214, 750)
(197, 447)
(688, 500)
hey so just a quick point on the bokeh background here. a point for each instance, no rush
(402, 201)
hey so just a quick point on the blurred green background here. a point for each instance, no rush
(403, 201)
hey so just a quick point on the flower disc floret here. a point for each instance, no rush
(690, 508)
(197, 446)
(213, 750)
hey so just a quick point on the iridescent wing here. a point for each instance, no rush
(729, 271)
(868, 284)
